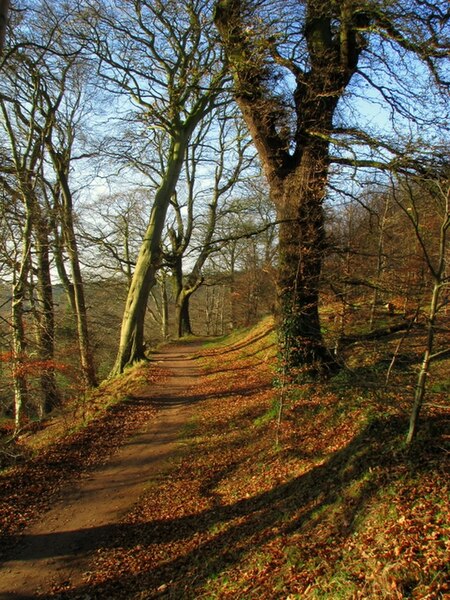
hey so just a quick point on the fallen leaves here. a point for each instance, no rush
(336, 509)
(28, 489)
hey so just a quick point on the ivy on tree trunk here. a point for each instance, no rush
(293, 146)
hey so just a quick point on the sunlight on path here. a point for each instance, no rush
(56, 549)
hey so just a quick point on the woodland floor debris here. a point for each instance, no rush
(336, 509)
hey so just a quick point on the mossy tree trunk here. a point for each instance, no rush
(131, 346)
(293, 146)
(301, 251)
(183, 317)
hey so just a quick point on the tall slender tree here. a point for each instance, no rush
(161, 55)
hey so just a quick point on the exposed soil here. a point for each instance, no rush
(57, 548)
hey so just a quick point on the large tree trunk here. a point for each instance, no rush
(131, 346)
(182, 315)
(299, 200)
(182, 318)
(184, 290)
(293, 144)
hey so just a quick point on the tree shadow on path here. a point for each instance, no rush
(225, 534)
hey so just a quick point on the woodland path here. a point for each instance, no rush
(57, 548)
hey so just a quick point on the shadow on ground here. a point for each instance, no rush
(226, 533)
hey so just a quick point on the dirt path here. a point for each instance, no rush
(57, 548)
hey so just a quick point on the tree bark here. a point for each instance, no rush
(19, 348)
(17, 318)
(164, 309)
(299, 199)
(46, 322)
(425, 366)
(183, 317)
(295, 157)
(76, 289)
(131, 345)
(440, 280)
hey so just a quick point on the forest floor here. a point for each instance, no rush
(222, 480)
(54, 550)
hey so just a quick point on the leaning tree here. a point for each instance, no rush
(160, 55)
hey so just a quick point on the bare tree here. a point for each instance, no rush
(161, 55)
(425, 201)
(230, 160)
(24, 167)
(113, 227)
(292, 66)
(45, 93)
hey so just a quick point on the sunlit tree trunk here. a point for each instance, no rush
(19, 349)
(58, 250)
(437, 265)
(425, 365)
(160, 296)
(17, 317)
(45, 322)
(131, 345)
(75, 289)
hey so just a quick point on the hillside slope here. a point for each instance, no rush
(315, 497)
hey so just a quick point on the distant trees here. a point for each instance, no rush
(389, 261)
(247, 259)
